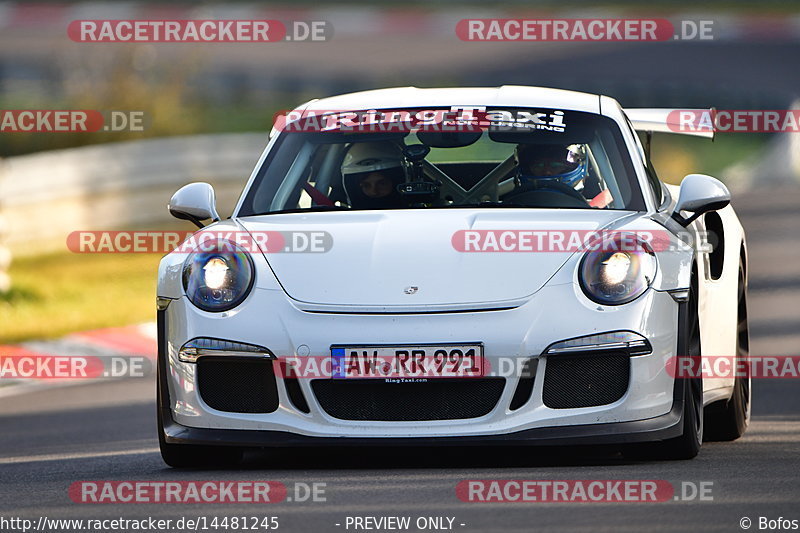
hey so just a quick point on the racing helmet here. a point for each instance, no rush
(361, 164)
(566, 164)
(371, 157)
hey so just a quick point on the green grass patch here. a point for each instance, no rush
(674, 156)
(56, 294)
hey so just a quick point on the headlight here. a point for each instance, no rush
(219, 277)
(618, 271)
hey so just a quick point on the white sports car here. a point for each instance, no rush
(472, 266)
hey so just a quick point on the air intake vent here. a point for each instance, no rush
(525, 385)
(237, 385)
(585, 380)
(435, 399)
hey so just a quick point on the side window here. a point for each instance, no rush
(652, 177)
(655, 183)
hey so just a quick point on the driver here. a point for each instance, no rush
(371, 173)
(565, 164)
(556, 166)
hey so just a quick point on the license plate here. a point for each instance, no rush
(407, 362)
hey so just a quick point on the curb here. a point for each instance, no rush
(137, 341)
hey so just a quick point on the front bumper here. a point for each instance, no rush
(648, 411)
(660, 428)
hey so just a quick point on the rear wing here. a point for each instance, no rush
(694, 122)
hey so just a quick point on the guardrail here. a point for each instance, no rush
(45, 196)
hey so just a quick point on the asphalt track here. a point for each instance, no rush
(106, 431)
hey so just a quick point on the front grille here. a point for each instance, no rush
(435, 399)
(237, 385)
(585, 380)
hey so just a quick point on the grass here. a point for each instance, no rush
(674, 156)
(59, 293)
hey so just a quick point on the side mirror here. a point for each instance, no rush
(194, 202)
(700, 194)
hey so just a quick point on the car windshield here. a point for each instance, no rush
(509, 158)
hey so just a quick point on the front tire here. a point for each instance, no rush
(687, 445)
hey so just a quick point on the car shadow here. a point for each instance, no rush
(416, 457)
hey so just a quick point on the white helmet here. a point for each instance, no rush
(370, 157)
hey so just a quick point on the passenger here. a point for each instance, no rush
(371, 173)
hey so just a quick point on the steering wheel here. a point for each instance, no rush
(550, 191)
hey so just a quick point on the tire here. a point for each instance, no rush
(191, 455)
(687, 445)
(728, 420)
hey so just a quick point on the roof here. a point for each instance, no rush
(505, 96)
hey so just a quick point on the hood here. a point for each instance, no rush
(414, 258)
